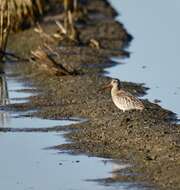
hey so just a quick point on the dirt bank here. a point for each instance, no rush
(146, 140)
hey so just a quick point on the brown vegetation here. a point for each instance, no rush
(15, 15)
(4, 25)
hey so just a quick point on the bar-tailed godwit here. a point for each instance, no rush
(123, 99)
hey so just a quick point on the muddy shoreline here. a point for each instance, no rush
(148, 141)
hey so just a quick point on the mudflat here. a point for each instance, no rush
(148, 140)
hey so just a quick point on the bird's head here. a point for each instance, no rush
(115, 83)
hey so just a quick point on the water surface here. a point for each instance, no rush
(155, 50)
(18, 91)
(27, 164)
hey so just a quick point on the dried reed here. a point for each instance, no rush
(5, 23)
(70, 5)
(15, 15)
(25, 12)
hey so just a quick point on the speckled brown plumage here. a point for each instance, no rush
(122, 99)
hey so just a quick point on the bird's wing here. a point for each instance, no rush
(129, 98)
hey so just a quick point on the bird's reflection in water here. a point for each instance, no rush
(4, 100)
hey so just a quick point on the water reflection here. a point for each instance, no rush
(4, 100)
(4, 97)
(18, 91)
(12, 92)
(33, 166)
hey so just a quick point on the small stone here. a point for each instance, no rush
(157, 101)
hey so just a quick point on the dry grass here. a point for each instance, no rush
(19, 14)
(5, 23)
(15, 15)
(70, 5)
(24, 12)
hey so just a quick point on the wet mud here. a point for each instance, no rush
(147, 140)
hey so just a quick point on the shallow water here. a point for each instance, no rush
(17, 94)
(155, 50)
(27, 164)
(15, 90)
(18, 121)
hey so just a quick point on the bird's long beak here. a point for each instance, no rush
(106, 87)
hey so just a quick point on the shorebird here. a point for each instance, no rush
(123, 100)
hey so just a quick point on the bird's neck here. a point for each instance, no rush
(115, 89)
